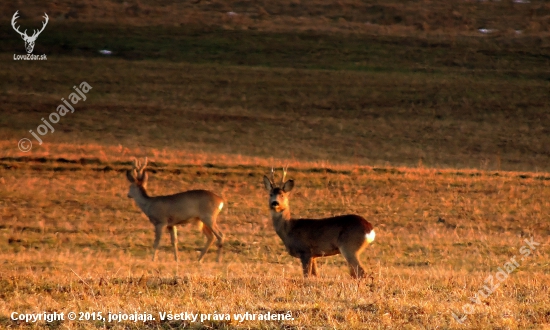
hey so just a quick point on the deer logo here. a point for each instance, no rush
(29, 41)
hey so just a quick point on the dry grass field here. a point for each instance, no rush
(400, 111)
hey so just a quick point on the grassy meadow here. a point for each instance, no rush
(400, 111)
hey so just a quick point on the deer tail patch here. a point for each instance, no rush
(370, 236)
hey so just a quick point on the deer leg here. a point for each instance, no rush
(209, 239)
(219, 237)
(357, 271)
(355, 268)
(313, 266)
(174, 239)
(158, 234)
(306, 264)
(210, 222)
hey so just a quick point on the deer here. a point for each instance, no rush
(192, 206)
(29, 41)
(309, 239)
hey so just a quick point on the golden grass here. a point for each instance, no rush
(72, 241)
(435, 133)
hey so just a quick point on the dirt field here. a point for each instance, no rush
(403, 112)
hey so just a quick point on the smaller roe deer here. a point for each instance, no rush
(199, 206)
(308, 239)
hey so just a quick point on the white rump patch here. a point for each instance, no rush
(221, 206)
(370, 236)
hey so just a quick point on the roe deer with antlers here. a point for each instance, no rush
(308, 239)
(198, 206)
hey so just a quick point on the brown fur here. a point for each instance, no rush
(309, 239)
(178, 209)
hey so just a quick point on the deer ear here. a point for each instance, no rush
(130, 177)
(288, 186)
(267, 183)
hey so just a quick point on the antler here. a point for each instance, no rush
(272, 175)
(284, 175)
(141, 169)
(43, 26)
(16, 28)
(36, 33)
(135, 167)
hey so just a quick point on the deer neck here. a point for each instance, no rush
(143, 200)
(281, 222)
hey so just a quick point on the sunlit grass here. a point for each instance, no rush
(400, 111)
(74, 239)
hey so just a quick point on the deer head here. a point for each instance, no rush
(29, 41)
(278, 195)
(137, 177)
